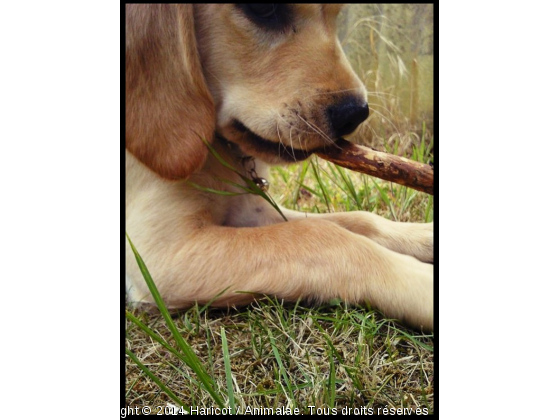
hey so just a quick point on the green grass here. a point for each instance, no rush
(287, 355)
(274, 354)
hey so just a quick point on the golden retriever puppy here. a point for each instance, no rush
(265, 84)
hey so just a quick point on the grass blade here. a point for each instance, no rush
(218, 157)
(281, 367)
(213, 191)
(154, 378)
(429, 210)
(227, 366)
(350, 189)
(192, 361)
(332, 382)
(300, 178)
(154, 336)
(322, 187)
(250, 186)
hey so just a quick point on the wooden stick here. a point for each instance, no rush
(409, 173)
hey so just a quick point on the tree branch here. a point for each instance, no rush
(409, 173)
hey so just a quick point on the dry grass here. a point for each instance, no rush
(347, 356)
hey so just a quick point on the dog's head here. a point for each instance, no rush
(271, 78)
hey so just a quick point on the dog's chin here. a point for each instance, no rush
(273, 152)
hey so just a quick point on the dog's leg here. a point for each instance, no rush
(415, 239)
(311, 258)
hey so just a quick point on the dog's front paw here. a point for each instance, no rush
(424, 242)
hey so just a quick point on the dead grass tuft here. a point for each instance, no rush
(374, 362)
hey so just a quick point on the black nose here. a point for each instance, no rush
(347, 115)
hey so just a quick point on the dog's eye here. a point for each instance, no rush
(264, 11)
(267, 16)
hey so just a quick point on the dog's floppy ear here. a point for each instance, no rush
(168, 105)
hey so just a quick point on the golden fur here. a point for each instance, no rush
(276, 93)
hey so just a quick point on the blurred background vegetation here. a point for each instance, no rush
(391, 48)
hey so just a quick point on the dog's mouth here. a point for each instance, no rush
(273, 151)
